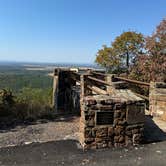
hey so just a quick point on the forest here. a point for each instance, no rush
(16, 77)
(24, 94)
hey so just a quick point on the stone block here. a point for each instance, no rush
(90, 122)
(157, 96)
(135, 131)
(102, 132)
(128, 133)
(123, 114)
(89, 100)
(119, 130)
(122, 122)
(128, 141)
(119, 145)
(101, 145)
(137, 138)
(89, 140)
(135, 113)
(111, 131)
(117, 114)
(110, 144)
(88, 133)
(91, 113)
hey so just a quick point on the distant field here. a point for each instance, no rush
(16, 77)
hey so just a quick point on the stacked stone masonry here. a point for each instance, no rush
(157, 99)
(126, 118)
(115, 119)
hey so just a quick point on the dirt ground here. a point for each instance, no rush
(65, 128)
(61, 128)
(55, 143)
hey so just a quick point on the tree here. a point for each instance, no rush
(107, 58)
(123, 49)
(151, 66)
(156, 50)
(7, 98)
(140, 68)
(128, 45)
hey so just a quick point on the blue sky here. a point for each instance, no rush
(70, 30)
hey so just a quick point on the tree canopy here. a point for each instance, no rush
(143, 57)
(122, 51)
(152, 65)
(128, 45)
(107, 58)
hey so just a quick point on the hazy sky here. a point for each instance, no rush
(70, 30)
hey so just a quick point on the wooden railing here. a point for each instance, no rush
(92, 85)
(130, 81)
(133, 81)
(75, 76)
(96, 82)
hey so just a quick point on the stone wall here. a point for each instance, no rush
(108, 121)
(72, 95)
(157, 99)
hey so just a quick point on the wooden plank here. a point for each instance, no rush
(133, 81)
(142, 96)
(97, 90)
(99, 81)
(98, 73)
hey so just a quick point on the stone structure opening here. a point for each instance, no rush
(66, 92)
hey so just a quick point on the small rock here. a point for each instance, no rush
(139, 158)
(126, 150)
(26, 143)
(44, 154)
(85, 161)
(158, 151)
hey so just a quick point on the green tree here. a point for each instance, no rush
(122, 52)
(106, 58)
(128, 45)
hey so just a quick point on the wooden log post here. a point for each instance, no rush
(55, 89)
(109, 80)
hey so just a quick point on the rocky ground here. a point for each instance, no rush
(55, 142)
(43, 130)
